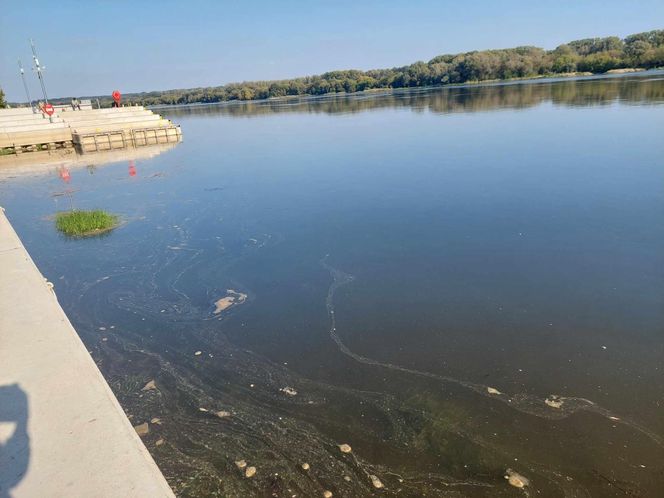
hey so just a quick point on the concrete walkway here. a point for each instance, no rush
(62, 432)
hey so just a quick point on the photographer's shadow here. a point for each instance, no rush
(14, 439)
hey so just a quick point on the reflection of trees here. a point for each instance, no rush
(586, 92)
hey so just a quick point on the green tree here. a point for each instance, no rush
(3, 104)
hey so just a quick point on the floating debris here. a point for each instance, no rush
(201, 409)
(142, 429)
(345, 448)
(493, 390)
(149, 386)
(159, 442)
(515, 479)
(305, 466)
(198, 353)
(554, 401)
(288, 390)
(102, 328)
(376, 482)
(327, 494)
(156, 420)
(615, 419)
(240, 464)
(250, 472)
(232, 298)
(347, 478)
(223, 414)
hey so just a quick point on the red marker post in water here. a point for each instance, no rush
(132, 168)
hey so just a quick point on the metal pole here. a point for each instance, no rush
(25, 85)
(39, 69)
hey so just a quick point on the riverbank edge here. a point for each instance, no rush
(71, 436)
(553, 77)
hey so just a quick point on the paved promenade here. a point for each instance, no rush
(62, 432)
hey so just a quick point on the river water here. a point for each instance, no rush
(454, 282)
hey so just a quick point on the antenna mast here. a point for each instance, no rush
(25, 84)
(39, 69)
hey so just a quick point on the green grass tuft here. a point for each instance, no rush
(79, 223)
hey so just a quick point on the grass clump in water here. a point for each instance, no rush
(79, 223)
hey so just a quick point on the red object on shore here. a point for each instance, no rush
(48, 109)
(116, 96)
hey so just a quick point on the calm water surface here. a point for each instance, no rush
(455, 282)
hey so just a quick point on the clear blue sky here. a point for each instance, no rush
(92, 47)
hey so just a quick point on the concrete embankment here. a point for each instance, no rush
(62, 431)
(90, 130)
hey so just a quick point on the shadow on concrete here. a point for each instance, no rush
(14, 450)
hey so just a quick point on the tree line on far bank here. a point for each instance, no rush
(591, 55)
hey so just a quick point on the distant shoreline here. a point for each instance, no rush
(580, 76)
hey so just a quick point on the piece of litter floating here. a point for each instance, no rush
(376, 482)
(603, 347)
(202, 409)
(241, 464)
(250, 472)
(614, 418)
(554, 401)
(150, 385)
(327, 494)
(345, 448)
(251, 385)
(305, 466)
(516, 479)
(492, 390)
(288, 390)
(198, 353)
(223, 414)
(642, 466)
(102, 328)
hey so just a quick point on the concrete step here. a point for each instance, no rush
(122, 118)
(160, 123)
(26, 138)
(16, 111)
(22, 117)
(102, 112)
(115, 123)
(27, 121)
(82, 116)
(31, 126)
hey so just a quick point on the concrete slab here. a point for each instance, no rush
(62, 431)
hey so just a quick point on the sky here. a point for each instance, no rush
(94, 47)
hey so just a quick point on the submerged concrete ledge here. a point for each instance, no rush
(62, 431)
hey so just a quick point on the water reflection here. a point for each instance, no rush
(62, 161)
(632, 89)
